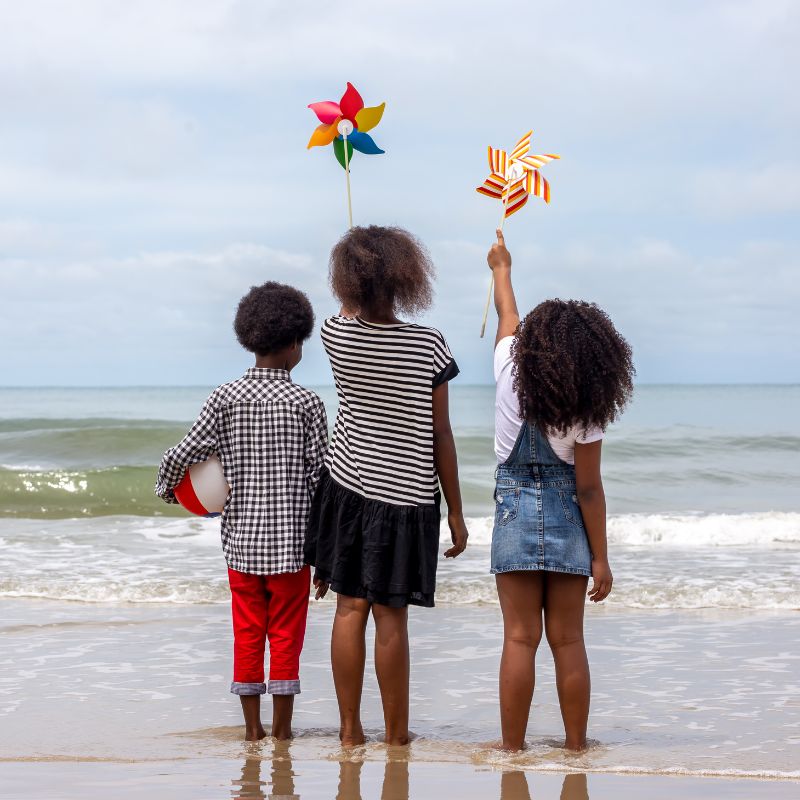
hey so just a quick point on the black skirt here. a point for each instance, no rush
(365, 548)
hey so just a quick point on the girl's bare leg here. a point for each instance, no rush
(392, 668)
(348, 653)
(521, 595)
(564, 599)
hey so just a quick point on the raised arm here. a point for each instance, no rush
(592, 500)
(504, 301)
(444, 453)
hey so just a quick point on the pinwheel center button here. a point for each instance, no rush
(345, 127)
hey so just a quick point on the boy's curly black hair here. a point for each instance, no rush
(376, 267)
(571, 366)
(271, 317)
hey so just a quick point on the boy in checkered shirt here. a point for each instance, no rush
(271, 436)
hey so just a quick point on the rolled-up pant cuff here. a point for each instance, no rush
(248, 688)
(284, 687)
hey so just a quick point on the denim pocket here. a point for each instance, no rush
(572, 511)
(506, 502)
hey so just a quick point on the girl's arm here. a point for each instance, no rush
(444, 454)
(592, 500)
(504, 301)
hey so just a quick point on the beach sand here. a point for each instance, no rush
(127, 700)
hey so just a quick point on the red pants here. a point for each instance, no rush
(274, 608)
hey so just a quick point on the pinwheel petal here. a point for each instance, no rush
(368, 118)
(326, 111)
(324, 134)
(351, 103)
(364, 143)
(338, 149)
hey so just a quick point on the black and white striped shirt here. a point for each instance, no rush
(382, 445)
(270, 435)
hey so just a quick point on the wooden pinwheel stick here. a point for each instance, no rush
(491, 281)
(345, 127)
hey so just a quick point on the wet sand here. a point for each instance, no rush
(101, 700)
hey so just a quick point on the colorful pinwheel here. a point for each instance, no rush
(346, 124)
(515, 177)
(346, 137)
(512, 179)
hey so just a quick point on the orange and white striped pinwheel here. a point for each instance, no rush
(516, 176)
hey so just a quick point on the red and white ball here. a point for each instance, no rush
(203, 490)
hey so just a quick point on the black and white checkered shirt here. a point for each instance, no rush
(271, 437)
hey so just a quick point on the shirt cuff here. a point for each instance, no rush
(447, 374)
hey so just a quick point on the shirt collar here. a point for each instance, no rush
(267, 374)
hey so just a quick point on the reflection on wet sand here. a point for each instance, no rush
(395, 780)
(250, 785)
(514, 786)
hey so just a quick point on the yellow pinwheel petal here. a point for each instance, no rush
(368, 118)
(324, 134)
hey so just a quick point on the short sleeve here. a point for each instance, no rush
(502, 356)
(588, 435)
(444, 365)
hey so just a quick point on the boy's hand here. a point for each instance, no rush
(499, 257)
(321, 587)
(602, 580)
(459, 535)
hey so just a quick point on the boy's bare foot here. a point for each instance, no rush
(575, 747)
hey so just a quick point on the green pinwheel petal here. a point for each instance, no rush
(338, 149)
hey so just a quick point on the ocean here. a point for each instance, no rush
(693, 474)
(110, 599)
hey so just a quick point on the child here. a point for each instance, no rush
(373, 532)
(271, 437)
(562, 375)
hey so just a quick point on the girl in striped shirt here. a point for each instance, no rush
(373, 531)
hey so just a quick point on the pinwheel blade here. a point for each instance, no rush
(541, 188)
(323, 135)
(326, 110)
(351, 103)
(522, 147)
(368, 118)
(498, 161)
(338, 149)
(493, 187)
(364, 143)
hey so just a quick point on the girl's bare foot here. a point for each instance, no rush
(353, 737)
(255, 734)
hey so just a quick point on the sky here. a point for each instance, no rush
(153, 167)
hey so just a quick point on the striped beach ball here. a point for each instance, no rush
(203, 489)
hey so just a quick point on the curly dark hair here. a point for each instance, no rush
(571, 366)
(271, 317)
(376, 267)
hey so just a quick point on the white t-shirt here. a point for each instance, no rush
(507, 420)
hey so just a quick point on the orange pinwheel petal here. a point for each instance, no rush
(324, 134)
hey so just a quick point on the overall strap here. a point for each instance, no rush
(543, 450)
(521, 452)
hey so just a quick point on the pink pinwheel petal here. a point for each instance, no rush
(327, 111)
(351, 103)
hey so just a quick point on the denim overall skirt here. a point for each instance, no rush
(538, 523)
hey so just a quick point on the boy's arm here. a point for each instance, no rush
(197, 445)
(504, 301)
(446, 460)
(592, 500)
(316, 445)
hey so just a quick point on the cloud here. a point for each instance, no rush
(153, 165)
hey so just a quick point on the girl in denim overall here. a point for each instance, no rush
(563, 374)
